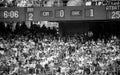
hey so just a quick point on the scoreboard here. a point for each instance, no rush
(113, 12)
(12, 14)
(113, 9)
(108, 12)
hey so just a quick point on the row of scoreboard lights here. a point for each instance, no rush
(59, 13)
(30, 14)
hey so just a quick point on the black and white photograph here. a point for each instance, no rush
(59, 37)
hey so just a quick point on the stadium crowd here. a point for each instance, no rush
(46, 54)
(50, 3)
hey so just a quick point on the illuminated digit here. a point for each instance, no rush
(91, 12)
(117, 14)
(113, 15)
(6, 14)
(11, 14)
(16, 15)
(30, 16)
(62, 13)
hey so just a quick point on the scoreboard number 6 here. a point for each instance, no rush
(6, 14)
(115, 14)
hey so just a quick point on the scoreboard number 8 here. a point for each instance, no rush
(16, 14)
(12, 14)
(115, 14)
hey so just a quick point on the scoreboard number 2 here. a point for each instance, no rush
(30, 16)
(115, 14)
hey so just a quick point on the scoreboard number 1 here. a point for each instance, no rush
(115, 14)
(91, 12)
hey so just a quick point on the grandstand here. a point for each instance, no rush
(59, 37)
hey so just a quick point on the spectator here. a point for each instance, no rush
(37, 53)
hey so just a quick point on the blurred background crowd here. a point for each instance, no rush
(44, 53)
(51, 3)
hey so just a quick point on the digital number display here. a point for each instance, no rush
(60, 13)
(113, 9)
(29, 14)
(89, 12)
(115, 15)
(9, 14)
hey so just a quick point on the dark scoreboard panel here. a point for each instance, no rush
(113, 12)
(69, 13)
(12, 14)
(60, 13)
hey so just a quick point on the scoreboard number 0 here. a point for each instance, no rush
(11, 14)
(115, 14)
(62, 13)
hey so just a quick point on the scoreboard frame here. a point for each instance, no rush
(60, 13)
